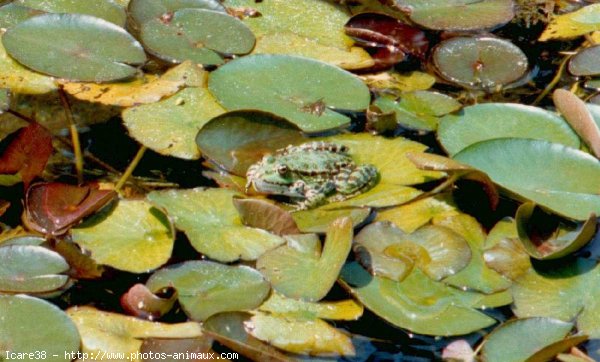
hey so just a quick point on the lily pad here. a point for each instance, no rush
(196, 34)
(307, 35)
(19, 79)
(318, 220)
(11, 14)
(504, 252)
(524, 337)
(387, 251)
(497, 120)
(585, 62)
(339, 310)
(418, 110)
(169, 126)
(133, 236)
(139, 301)
(303, 275)
(145, 10)
(418, 303)
(573, 24)
(579, 117)
(236, 140)
(457, 14)
(206, 288)
(266, 215)
(563, 241)
(479, 62)
(68, 46)
(536, 170)
(212, 223)
(413, 215)
(314, 337)
(30, 325)
(305, 91)
(104, 333)
(104, 9)
(31, 269)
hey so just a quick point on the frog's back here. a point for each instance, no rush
(315, 162)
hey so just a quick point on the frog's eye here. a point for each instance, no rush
(282, 169)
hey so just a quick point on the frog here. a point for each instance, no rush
(311, 174)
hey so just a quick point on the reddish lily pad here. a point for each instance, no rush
(266, 215)
(585, 62)
(142, 303)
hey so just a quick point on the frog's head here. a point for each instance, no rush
(271, 176)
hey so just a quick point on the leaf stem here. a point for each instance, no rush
(74, 134)
(554, 81)
(132, 165)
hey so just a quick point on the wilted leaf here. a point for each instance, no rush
(573, 24)
(266, 215)
(459, 351)
(579, 117)
(206, 288)
(140, 302)
(504, 253)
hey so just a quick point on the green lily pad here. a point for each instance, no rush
(585, 62)
(30, 325)
(105, 333)
(479, 62)
(303, 275)
(206, 288)
(212, 223)
(504, 252)
(520, 339)
(458, 14)
(12, 14)
(389, 252)
(305, 91)
(418, 110)
(314, 337)
(19, 79)
(4, 100)
(569, 291)
(318, 220)
(31, 269)
(196, 34)
(68, 46)
(142, 11)
(236, 140)
(104, 9)
(307, 35)
(340, 310)
(564, 241)
(169, 126)
(134, 236)
(556, 177)
(573, 24)
(497, 120)
(418, 303)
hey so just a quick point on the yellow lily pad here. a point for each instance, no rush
(574, 24)
(340, 310)
(19, 79)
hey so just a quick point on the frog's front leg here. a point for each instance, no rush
(351, 181)
(315, 196)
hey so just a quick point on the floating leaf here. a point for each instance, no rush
(144, 10)
(579, 117)
(305, 91)
(387, 251)
(4, 100)
(397, 83)
(28, 153)
(142, 303)
(479, 62)
(304, 275)
(206, 288)
(563, 242)
(213, 225)
(236, 140)
(573, 24)
(52, 208)
(313, 337)
(228, 329)
(340, 310)
(30, 325)
(555, 177)
(104, 9)
(585, 62)
(105, 334)
(68, 46)
(504, 253)
(487, 121)
(31, 269)
(524, 337)
(418, 303)
(418, 110)
(459, 350)
(459, 14)
(133, 236)
(308, 35)
(82, 265)
(266, 215)
(381, 195)
(19, 79)
(12, 14)
(169, 126)
(413, 215)
(318, 220)
(196, 34)
(140, 91)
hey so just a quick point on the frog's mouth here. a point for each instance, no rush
(271, 188)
